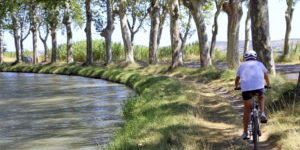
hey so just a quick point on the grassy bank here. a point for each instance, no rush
(168, 114)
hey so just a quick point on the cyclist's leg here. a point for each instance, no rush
(246, 117)
(261, 100)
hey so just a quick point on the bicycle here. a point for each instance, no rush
(254, 124)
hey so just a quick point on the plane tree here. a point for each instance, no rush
(234, 11)
(157, 12)
(259, 13)
(105, 24)
(288, 19)
(197, 8)
(215, 27)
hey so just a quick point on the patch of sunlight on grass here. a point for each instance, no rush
(155, 69)
(207, 94)
(214, 125)
(292, 141)
(284, 130)
(218, 105)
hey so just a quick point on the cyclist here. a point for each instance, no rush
(250, 77)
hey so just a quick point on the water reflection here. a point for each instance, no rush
(56, 112)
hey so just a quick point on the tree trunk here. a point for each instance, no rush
(1, 46)
(34, 42)
(33, 21)
(129, 54)
(195, 7)
(183, 38)
(261, 34)
(44, 41)
(45, 50)
(54, 44)
(67, 22)
(108, 31)
(88, 30)
(23, 38)
(16, 38)
(161, 24)
(288, 19)
(298, 86)
(175, 33)
(234, 12)
(247, 30)
(153, 49)
(154, 12)
(215, 27)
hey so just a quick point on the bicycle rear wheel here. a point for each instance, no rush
(255, 132)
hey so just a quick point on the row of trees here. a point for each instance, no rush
(22, 17)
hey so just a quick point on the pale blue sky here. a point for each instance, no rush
(277, 29)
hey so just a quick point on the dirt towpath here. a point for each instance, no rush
(237, 105)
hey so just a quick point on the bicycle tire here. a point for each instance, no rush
(255, 132)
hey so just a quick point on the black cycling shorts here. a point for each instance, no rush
(247, 95)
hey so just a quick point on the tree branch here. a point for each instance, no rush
(40, 35)
(27, 34)
(141, 23)
(129, 26)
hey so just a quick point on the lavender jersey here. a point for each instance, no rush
(251, 75)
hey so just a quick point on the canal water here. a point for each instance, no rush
(55, 112)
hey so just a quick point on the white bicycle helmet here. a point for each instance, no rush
(251, 54)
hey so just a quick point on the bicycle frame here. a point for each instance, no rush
(254, 123)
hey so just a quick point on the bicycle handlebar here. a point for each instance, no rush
(268, 87)
(239, 88)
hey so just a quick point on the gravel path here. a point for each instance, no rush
(290, 71)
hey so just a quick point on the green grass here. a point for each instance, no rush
(140, 52)
(13, 54)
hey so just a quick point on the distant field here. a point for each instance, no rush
(8, 59)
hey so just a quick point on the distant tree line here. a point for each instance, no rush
(42, 18)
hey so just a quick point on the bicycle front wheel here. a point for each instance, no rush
(255, 132)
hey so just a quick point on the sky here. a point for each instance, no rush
(277, 29)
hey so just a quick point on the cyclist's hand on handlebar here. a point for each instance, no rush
(267, 87)
(237, 88)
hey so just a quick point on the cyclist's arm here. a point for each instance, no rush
(267, 80)
(237, 81)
